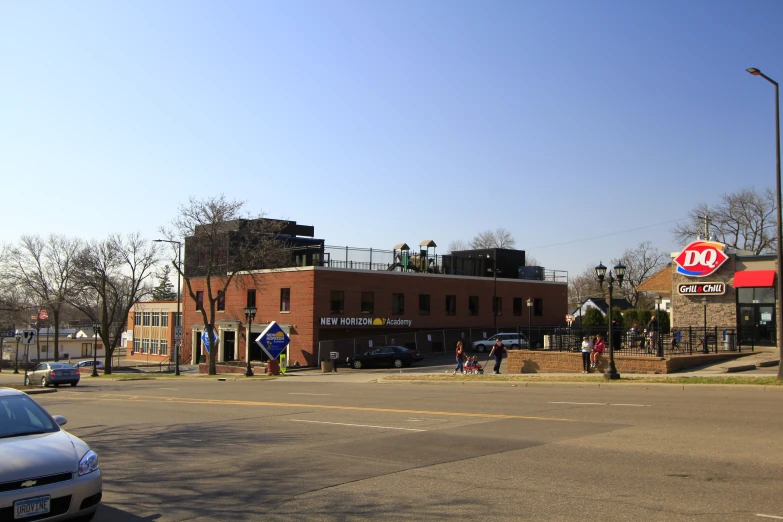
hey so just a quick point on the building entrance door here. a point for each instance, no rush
(757, 323)
(228, 348)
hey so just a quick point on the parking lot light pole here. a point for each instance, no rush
(529, 328)
(659, 347)
(250, 314)
(177, 343)
(779, 218)
(619, 272)
(16, 359)
(96, 328)
(494, 271)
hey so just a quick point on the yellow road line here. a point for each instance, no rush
(224, 402)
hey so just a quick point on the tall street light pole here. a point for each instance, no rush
(495, 271)
(250, 314)
(96, 328)
(659, 344)
(600, 272)
(177, 320)
(16, 359)
(529, 328)
(779, 215)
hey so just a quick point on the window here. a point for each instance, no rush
(398, 304)
(251, 297)
(451, 305)
(164, 319)
(136, 318)
(473, 305)
(221, 257)
(368, 303)
(221, 302)
(517, 306)
(199, 300)
(497, 305)
(146, 319)
(136, 345)
(538, 307)
(755, 295)
(285, 299)
(145, 346)
(336, 302)
(424, 304)
(154, 346)
(164, 346)
(155, 318)
(202, 257)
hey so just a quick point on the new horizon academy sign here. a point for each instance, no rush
(364, 321)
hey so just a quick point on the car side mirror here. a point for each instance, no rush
(60, 420)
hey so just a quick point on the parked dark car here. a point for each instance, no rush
(56, 373)
(385, 356)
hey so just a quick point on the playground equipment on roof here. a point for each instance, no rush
(404, 261)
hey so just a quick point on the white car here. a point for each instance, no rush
(45, 472)
(511, 341)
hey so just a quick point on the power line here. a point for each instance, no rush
(609, 235)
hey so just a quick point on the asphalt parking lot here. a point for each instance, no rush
(312, 447)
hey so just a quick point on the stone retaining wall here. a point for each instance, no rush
(232, 368)
(527, 361)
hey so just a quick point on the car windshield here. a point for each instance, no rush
(20, 415)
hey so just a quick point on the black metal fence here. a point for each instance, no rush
(680, 341)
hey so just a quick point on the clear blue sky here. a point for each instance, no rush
(388, 122)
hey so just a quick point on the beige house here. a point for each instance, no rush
(73, 344)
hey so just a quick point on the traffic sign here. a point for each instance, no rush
(28, 337)
(569, 318)
(177, 333)
(273, 340)
(206, 342)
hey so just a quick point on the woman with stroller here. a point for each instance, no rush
(460, 359)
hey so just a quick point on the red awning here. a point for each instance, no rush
(754, 278)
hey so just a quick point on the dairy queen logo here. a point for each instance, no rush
(701, 258)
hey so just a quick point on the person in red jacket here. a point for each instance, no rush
(598, 349)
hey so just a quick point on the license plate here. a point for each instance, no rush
(31, 507)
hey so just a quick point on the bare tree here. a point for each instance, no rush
(582, 286)
(43, 269)
(111, 276)
(640, 263)
(458, 245)
(744, 219)
(221, 240)
(500, 238)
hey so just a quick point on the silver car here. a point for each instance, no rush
(45, 472)
(56, 373)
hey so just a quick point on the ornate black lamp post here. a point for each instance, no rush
(659, 345)
(16, 359)
(778, 215)
(250, 314)
(96, 328)
(619, 272)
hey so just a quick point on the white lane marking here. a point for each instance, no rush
(769, 516)
(295, 393)
(598, 404)
(355, 425)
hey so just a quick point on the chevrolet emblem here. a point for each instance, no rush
(29, 483)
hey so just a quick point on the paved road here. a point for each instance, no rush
(303, 448)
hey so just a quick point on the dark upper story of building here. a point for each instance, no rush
(257, 244)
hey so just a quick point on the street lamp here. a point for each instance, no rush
(659, 346)
(96, 328)
(619, 272)
(177, 327)
(250, 314)
(494, 271)
(529, 329)
(704, 302)
(778, 214)
(16, 359)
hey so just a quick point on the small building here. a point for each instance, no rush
(150, 334)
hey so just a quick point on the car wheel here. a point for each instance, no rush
(480, 348)
(74, 383)
(357, 365)
(515, 347)
(398, 363)
(44, 383)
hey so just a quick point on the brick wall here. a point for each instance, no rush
(526, 361)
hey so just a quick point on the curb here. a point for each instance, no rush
(766, 364)
(38, 392)
(742, 368)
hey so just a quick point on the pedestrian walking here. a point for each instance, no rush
(587, 347)
(598, 350)
(497, 351)
(460, 359)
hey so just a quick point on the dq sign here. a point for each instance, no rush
(701, 258)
